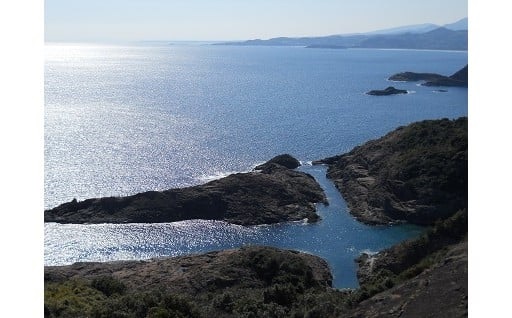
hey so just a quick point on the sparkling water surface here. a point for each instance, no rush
(121, 120)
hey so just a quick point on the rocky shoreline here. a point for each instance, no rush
(271, 194)
(422, 277)
(416, 174)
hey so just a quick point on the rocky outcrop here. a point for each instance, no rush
(285, 160)
(460, 78)
(274, 194)
(247, 282)
(416, 173)
(388, 91)
(440, 290)
(195, 273)
(426, 276)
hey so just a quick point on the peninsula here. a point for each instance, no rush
(274, 193)
(459, 78)
(417, 173)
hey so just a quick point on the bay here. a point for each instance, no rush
(125, 119)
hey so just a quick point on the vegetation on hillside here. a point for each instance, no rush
(422, 167)
(417, 173)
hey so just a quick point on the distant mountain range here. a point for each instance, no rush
(453, 36)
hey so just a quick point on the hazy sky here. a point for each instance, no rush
(132, 20)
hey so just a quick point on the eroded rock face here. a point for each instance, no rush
(439, 291)
(273, 195)
(416, 173)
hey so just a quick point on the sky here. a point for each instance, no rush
(218, 20)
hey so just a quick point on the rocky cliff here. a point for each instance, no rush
(416, 173)
(423, 277)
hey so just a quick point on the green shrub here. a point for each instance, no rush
(72, 298)
(108, 285)
(224, 302)
(284, 295)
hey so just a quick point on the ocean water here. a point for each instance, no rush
(124, 119)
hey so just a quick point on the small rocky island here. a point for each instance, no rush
(386, 92)
(460, 78)
(272, 193)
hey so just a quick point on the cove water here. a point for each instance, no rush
(122, 120)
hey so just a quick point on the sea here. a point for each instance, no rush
(123, 119)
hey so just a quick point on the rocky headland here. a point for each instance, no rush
(387, 91)
(460, 78)
(274, 193)
(416, 173)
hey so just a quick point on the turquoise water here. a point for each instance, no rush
(121, 120)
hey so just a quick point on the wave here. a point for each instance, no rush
(396, 81)
(368, 252)
(215, 176)
(223, 173)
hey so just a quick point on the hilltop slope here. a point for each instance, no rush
(416, 173)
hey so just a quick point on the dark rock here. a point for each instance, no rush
(276, 194)
(439, 291)
(416, 173)
(426, 276)
(461, 75)
(283, 160)
(415, 77)
(388, 91)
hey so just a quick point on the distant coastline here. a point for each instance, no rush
(440, 38)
